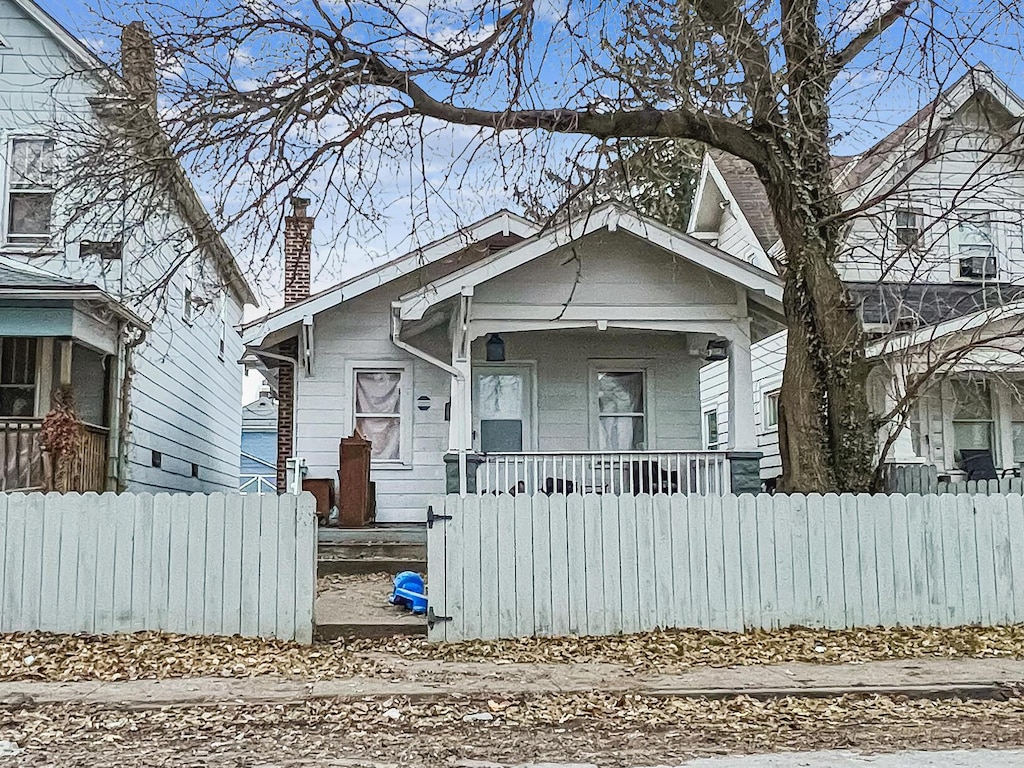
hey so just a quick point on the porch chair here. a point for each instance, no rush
(977, 463)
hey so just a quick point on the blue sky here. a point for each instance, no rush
(868, 104)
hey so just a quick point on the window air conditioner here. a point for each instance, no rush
(978, 267)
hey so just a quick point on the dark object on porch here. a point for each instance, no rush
(553, 485)
(322, 489)
(355, 491)
(649, 477)
(978, 464)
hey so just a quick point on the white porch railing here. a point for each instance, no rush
(257, 484)
(621, 474)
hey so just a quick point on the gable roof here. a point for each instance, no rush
(849, 173)
(610, 216)
(194, 211)
(749, 193)
(497, 227)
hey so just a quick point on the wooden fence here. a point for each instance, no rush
(221, 564)
(925, 478)
(507, 566)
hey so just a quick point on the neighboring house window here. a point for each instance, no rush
(378, 411)
(621, 419)
(29, 190)
(711, 430)
(907, 226)
(17, 377)
(1017, 423)
(973, 426)
(975, 252)
(770, 410)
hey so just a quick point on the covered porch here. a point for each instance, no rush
(56, 333)
(965, 381)
(574, 361)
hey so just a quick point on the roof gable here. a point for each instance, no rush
(614, 218)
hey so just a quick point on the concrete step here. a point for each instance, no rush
(377, 534)
(357, 566)
(358, 630)
(372, 551)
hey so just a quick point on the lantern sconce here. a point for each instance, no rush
(495, 349)
(718, 349)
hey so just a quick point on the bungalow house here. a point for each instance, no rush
(507, 358)
(133, 315)
(257, 463)
(934, 258)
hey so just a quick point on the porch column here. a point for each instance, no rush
(460, 461)
(744, 456)
(742, 429)
(902, 450)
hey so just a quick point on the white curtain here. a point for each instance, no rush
(378, 405)
(621, 393)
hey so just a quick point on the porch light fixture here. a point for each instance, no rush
(718, 349)
(495, 349)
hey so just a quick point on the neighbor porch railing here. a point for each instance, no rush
(620, 473)
(257, 484)
(23, 466)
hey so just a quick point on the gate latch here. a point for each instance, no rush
(433, 618)
(431, 516)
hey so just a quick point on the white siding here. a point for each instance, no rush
(767, 358)
(359, 330)
(185, 398)
(609, 269)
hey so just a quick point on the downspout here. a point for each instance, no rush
(396, 329)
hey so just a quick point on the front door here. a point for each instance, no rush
(502, 405)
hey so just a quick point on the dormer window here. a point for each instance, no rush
(907, 226)
(975, 251)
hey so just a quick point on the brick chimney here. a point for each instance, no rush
(298, 233)
(138, 62)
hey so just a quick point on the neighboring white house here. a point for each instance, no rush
(935, 260)
(135, 317)
(508, 359)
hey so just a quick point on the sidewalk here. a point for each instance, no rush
(435, 681)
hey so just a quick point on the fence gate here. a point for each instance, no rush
(510, 566)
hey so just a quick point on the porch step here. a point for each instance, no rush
(328, 632)
(358, 566)
(376, 534)
(351, 558)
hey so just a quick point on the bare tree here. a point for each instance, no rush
(271, 98)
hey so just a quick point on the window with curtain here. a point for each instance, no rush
(770, 409)
(17, 377)
(378, 412)
(30, 183)
(973, 425)
(621, 415)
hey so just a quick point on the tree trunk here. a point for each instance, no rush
(826, 434)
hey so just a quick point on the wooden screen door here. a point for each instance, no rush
(502, 407)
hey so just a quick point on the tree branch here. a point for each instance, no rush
(896, 12)
(647, 123)
(727, 18)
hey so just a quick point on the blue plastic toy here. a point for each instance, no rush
(409, 592)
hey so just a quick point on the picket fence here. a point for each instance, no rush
(510, 566)
(219, 564)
